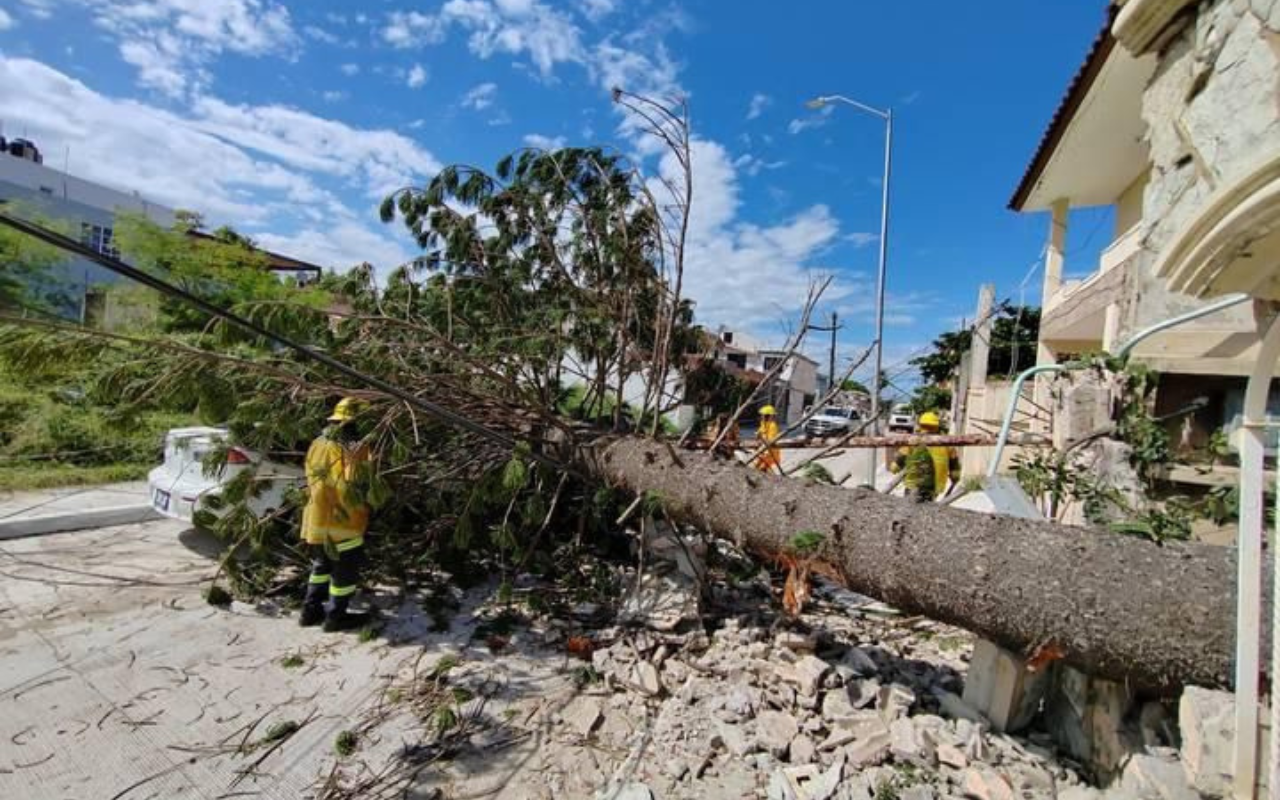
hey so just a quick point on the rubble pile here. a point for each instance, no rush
(808, 716)
(698, 688)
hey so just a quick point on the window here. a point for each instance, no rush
(770, 362)
(99, 239)
(46, 190)
(740, 359)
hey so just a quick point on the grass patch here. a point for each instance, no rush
(345, 744)
(292, 661)
(27, 477)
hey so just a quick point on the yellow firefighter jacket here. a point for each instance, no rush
(334, 513)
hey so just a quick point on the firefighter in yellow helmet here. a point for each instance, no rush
(929, 471)
(335, 520)
(771, 459)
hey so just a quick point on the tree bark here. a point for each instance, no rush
(1155, 616)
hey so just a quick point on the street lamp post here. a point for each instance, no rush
(887, 116)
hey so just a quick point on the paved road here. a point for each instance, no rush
(115, 673)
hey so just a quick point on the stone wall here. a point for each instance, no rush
(1212, 110)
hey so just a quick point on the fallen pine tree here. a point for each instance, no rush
(1155, 616)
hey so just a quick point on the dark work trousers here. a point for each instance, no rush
(333, 579)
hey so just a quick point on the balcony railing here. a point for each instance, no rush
(1118, 252)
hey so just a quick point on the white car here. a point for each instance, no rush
(180, 484)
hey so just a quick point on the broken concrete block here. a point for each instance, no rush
(582, 715)
(796, 642)
(951, 756)
(775, 730)
(1000, 688)
(739, 704)
(1206, 719)
(894, 701)
(1087, 719)
(921, 791)
(807, 673)
(863, 693)
(644, 676)
(837, 707)
(868, 750)
(908, 744)
(982, 784)
(802, 750)
(631, 791)
(1148, 776)
(734, 739)
(661, 602)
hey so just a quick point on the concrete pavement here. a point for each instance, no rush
(115, 672)
(74, 508)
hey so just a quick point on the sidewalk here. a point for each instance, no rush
(73, 508)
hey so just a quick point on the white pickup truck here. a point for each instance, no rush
(901, 420)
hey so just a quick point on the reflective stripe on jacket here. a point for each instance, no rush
(332, 513)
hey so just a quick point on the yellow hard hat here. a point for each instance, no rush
(929, 419)
(346, 410)
(768, 411)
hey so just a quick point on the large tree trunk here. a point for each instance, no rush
(1156, 616)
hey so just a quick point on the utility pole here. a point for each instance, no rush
(831, 358)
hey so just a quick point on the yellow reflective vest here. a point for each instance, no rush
(929, 470)
(333, 513)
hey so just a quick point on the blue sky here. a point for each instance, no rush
(290, 120)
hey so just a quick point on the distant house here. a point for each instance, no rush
(90, 210)
(1175, 101)
(792, 390)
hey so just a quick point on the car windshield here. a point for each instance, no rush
(843, 413)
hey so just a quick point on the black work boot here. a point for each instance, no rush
(344, 620)
(312, 614)
(340, 619)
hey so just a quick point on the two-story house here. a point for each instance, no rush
(1142, 129)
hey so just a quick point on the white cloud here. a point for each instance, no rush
(759, 102)
(480, 97)
(413, 29)
(378, 160)
(596, 10)
(172, 42)
(753, 165)
(6, 21)
(417, 76)
(741, 274)
(340, 245)
(350, 69)
(334, 95)
(861, 238)
(815, 120)
(40, 9)
(336, 19)
(654, 75)
(537, 140)
(320, 34)
(548, 37)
